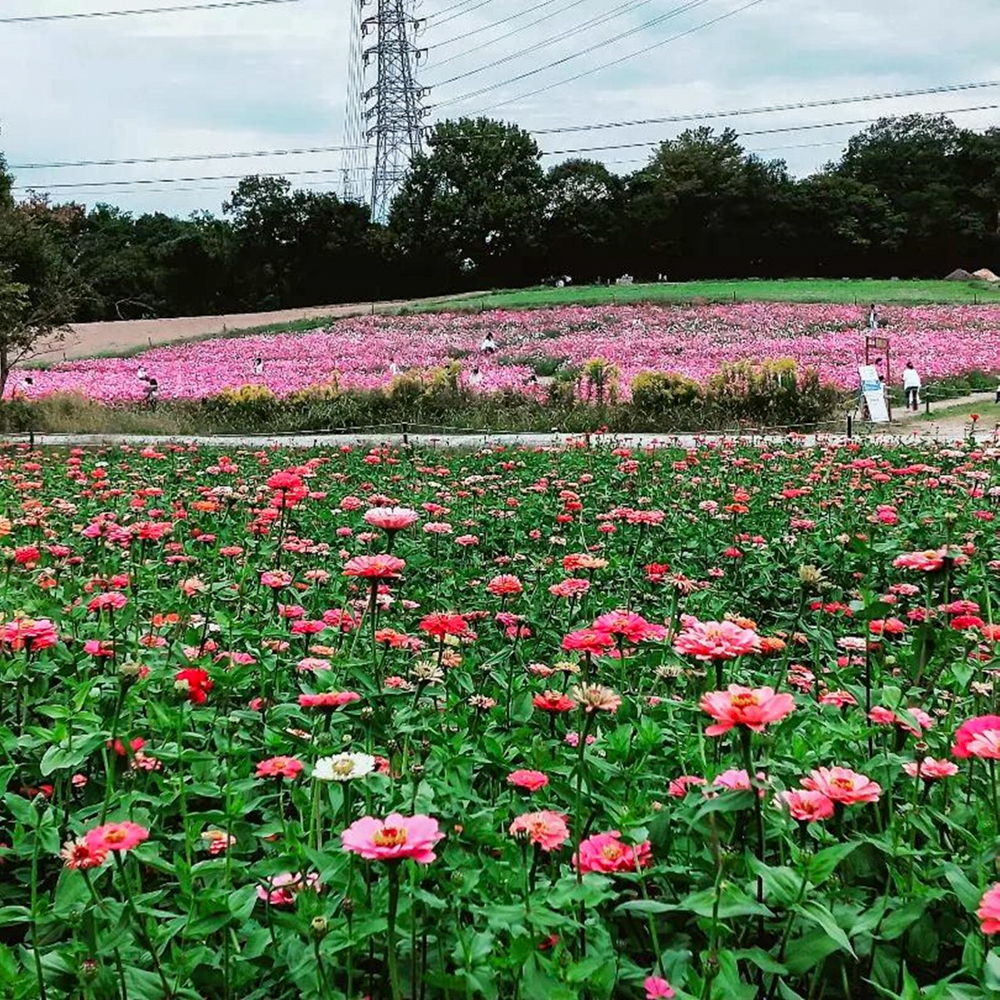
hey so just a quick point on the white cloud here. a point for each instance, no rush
(275, 77)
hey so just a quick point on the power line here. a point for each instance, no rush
(488, 27)
(811, 126)
(461, 13)
(85, 15)
(683, 8)
(631, 55)
(768, 109)
(624, 8)
(447, 10)
(587, 127)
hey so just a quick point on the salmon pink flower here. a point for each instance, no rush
(754, 708)
(989, 910)
(930, 769)
(78, 854)
(218, 841)
(629, 626)
(122, 836)
(377, 567)
(843, 785)
(328, 701)
(505, 585)
(531, 780)
(391, 519)
(969, 730)
(394, 838)
(679, 787)
(605, 852)
(282, 889)
(547, 829)
(723, 640)
(807, 806)
(588, 640)
(279, 767)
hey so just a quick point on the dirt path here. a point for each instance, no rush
(87, 339)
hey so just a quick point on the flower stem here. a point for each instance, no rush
(390, 952)
(140, 924)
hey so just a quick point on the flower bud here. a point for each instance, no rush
(318, 927)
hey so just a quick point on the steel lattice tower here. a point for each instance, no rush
(385, 118)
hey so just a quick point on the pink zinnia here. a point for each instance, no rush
(605, 852)
(930, 769)
(328, 700)
(377, 567)
(928, 561)
(122, 836)
(629, 626)
(570, 587)
(807, 806)
(78, 854)
(843, 785)
(971, 728)
(989, 910)
(547, 829)
(588, 640)
(532, 780)
(750, 707)
(394, 838)
(679, 787)
(505, 585)
(279, 767)
(657, 986)
(391, 518)
(716, 641)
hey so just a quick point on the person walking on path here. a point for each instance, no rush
(911, 386)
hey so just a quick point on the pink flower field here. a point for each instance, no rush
(940, 340)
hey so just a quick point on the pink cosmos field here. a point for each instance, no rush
(941, 341)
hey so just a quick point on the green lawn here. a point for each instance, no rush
(861, 292)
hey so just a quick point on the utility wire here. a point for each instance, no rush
(621, 59)
(770, 108)
(554, 152)
(594, 126)
(461, 13)
(86, 15)
(487, 27)
(623, 8)
(446, 10)
(683, 8)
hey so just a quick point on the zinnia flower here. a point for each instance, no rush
(989, 910)
(843, 785)
(532, 780)
(505, 585)
(79, 854)
(750, 707)
(969, 730)
(377, 567)
(328, 700)
(195, 683)
(930, 769)
(343, 767)
(279, 767)
(723, 640)
(807, 806)
(630, 626)
(588, 640)
(547, 829)
(679, 787)
(442, 623)
(605, 852)
(657, 986)
(391, 518)
(553, 701)
(596, 698)
(394, 838)
(122, 836)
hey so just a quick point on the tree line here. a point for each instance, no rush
(914, 196)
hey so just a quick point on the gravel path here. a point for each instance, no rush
(83, 340)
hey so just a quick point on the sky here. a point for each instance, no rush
(275, 76)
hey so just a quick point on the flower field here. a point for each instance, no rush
(587, 723)
(694, 341)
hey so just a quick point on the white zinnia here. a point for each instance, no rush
(343, 767)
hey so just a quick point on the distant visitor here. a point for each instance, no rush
(911, 386)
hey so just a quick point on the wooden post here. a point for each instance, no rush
(850, 426)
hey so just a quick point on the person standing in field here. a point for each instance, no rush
(488, 345)
(258, 367)
(872, 318)
(911, 386)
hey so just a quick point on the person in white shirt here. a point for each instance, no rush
(488, 345)
(475, 378)
(258, 366)
(872, 318)
(142, 375)
(911, 386)
(393, 368)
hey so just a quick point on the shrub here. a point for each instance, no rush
(657, 392)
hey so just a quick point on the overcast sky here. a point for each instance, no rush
(274, 77)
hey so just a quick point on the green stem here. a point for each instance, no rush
(140, 924)
(390, 952)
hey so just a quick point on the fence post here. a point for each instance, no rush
(850, 426)
(927, 405)
(406, 437)
(31, 440)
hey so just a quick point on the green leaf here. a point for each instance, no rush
(823, 918)
(824, 863)
(14, 915)
(763, 960)
(808, 951)
(782, 885)
(968, 894)
(899, 920)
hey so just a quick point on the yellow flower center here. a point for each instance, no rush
(343, 767)
(390, 836)
(744, 700)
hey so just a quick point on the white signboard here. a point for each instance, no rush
(874, 394)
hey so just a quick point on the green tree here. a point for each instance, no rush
(473, 203)
(39, 288)
(583, 212)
